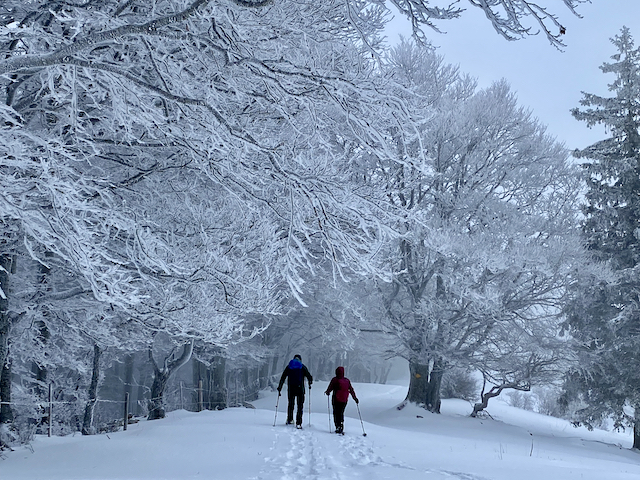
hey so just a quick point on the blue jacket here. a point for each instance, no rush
(295, 372)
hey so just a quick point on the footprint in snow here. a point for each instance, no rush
(363, 454)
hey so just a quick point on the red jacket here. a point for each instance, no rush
(341, 387)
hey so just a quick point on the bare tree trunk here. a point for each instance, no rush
(424, 385)
(385, 374)
(418, 383)
(128, 375)
(140, 396)
(40, 373)
(274, 364)
(433, 400)
(636, 428)
(264, 375)
(6, 415)
(87, 424)
(161, 377)
(156, 403)
(320, 373)
(218, 399)
(494, 392)
(199, 372)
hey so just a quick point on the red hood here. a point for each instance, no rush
(340, 372)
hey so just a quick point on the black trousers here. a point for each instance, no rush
(338, 412)
(295, 395)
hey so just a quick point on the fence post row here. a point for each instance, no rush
(48, 406)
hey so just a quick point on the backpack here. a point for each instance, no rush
(296, 374)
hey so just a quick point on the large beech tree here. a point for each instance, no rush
(487, 242)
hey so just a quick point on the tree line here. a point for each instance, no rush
(222, 182)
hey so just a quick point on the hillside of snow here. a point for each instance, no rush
(242, 443)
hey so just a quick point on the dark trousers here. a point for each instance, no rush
(295, 394)
(338, 412)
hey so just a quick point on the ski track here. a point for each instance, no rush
(298, 454)
(317, 455)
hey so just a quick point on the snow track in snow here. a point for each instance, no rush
(317, 455)
(299, 454)
(362, 453)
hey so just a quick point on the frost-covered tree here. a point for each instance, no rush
(114, 77)
(512, 19)
(233, 99)
(176, 159)
(133, 133)
(606, 315)
(487, 240)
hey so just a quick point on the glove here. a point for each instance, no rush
(326, 393)
(279, 393)
(357, 401)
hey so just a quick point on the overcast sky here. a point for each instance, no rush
(546, 80)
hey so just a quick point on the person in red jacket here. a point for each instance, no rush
(341, 388)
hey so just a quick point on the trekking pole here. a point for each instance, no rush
(364, 434)
(329, 412)
(277, 402)
(309, 405)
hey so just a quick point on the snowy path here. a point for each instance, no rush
(318, 455)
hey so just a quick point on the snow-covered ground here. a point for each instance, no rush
(242, 443)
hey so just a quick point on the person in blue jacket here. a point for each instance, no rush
(295, 372)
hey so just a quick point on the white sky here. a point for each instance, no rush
(547, 81)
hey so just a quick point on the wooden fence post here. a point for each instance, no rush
(50, 409)
(200, 396)
(126, 410)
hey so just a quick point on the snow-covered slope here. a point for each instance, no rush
(401, 445)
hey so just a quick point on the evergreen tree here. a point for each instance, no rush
(605, 314)
(612, 170)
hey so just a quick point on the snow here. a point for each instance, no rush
(242, 443)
